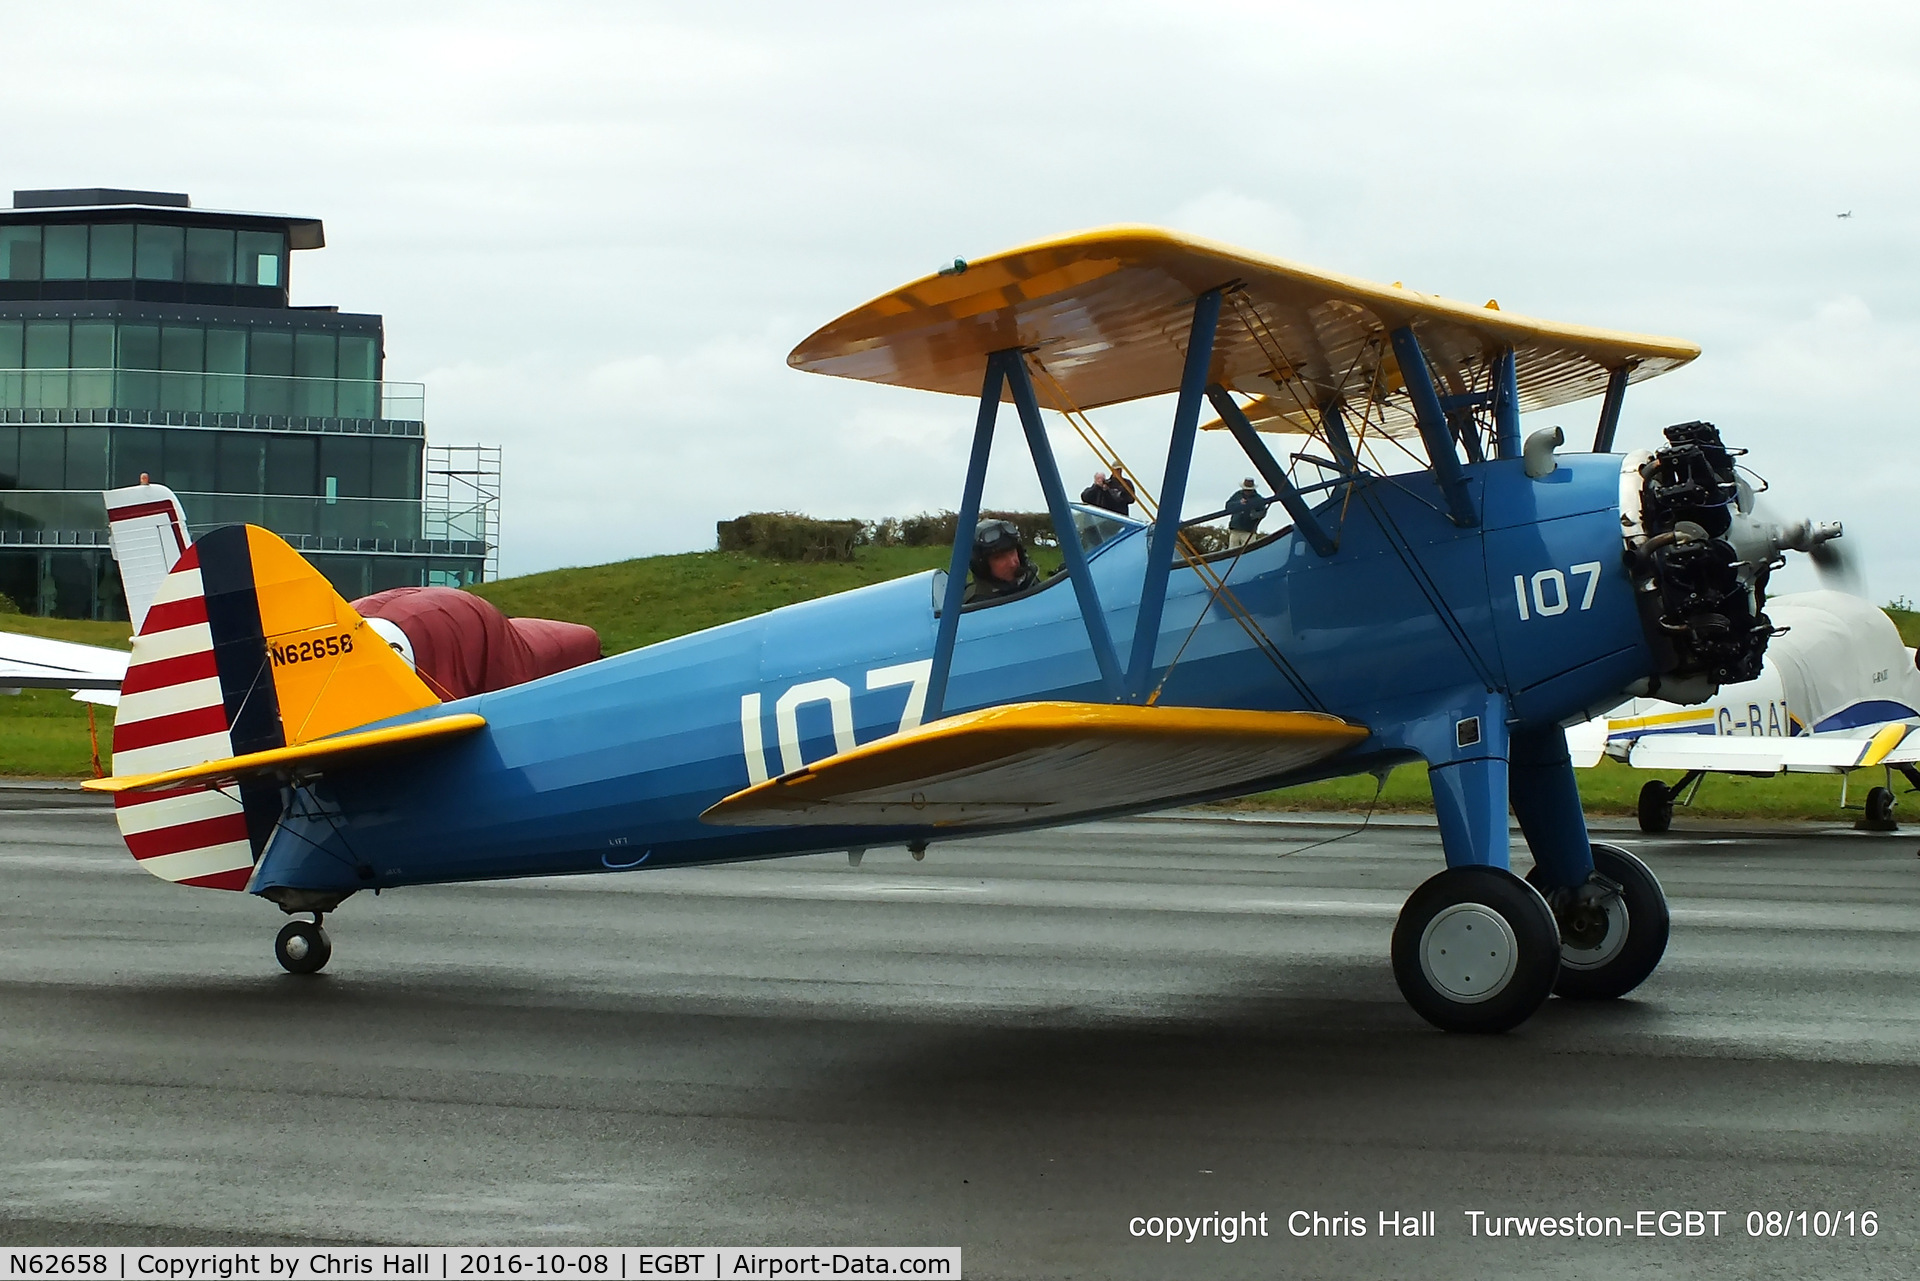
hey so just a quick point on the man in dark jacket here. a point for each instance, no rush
(1000, 565)
(1099, 493)
(1245, 510)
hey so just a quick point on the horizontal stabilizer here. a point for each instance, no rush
(305, 758)
(1041, 761)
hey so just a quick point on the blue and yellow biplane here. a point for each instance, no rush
(1456, 608)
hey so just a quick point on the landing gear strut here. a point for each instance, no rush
(1613, 929)
(303, 947)
(1475, 950)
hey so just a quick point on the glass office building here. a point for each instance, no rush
(141, 335)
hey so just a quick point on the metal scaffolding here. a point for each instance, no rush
(463, 497)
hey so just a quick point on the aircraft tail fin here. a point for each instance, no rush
(246, 648)
(147, 531)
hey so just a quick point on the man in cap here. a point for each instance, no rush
(1245, 510)
(1000, 565)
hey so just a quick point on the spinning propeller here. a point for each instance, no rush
(1760, 535)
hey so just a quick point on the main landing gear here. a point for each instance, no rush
(303, 947)
(1613, 930)
(1476, 949)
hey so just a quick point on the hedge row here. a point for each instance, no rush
(792, 536)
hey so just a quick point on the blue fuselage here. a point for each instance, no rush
(1412, 624)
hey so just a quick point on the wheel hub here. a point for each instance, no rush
(1469, 953)
(298, 947)
(1594, 926)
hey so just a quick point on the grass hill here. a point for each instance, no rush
(637, 602)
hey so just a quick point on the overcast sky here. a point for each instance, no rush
(596, 231)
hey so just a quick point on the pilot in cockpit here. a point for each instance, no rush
(1000, 564)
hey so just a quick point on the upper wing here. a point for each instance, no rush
(1809, 753)
(33, 662)
(1045, 761)
(1106, 312)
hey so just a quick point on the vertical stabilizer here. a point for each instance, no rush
(246, 647)
(147, 531)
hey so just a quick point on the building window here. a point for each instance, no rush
(209, 256)
(313, 361)
(137, 450)
(46, 344)
(65, 250)
(19, 253)
(92, 344)
(86, 458)
(291, 464)
(43, 457)
(241, 457)
(9, 458)
(190, 465)
(396, 468)
(346, 463)
(112, 255)
(159, 252)
(261, 255)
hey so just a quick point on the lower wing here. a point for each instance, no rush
(1045, 761)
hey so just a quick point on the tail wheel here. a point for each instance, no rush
(1879, 815)
(302, 947)
(1613, 929)
(1656, 807)
(1475, 950)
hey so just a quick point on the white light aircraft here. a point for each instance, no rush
(1838, 691)
(147, 531)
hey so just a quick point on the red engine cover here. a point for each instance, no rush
(463, 645)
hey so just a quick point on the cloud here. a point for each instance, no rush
(595, 229)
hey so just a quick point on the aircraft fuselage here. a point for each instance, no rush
(1414, 627)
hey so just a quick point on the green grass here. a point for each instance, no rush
(1609, 788)
(43, 732)
(637, 602)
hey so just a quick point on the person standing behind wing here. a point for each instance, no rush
(1245, 510)
(1097, 494)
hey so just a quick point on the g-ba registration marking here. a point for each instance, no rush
(307, 650)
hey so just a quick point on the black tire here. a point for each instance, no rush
(1472, 907)
(1879, 811)
(1656, 807)
(1613, 965)
(302, 947)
